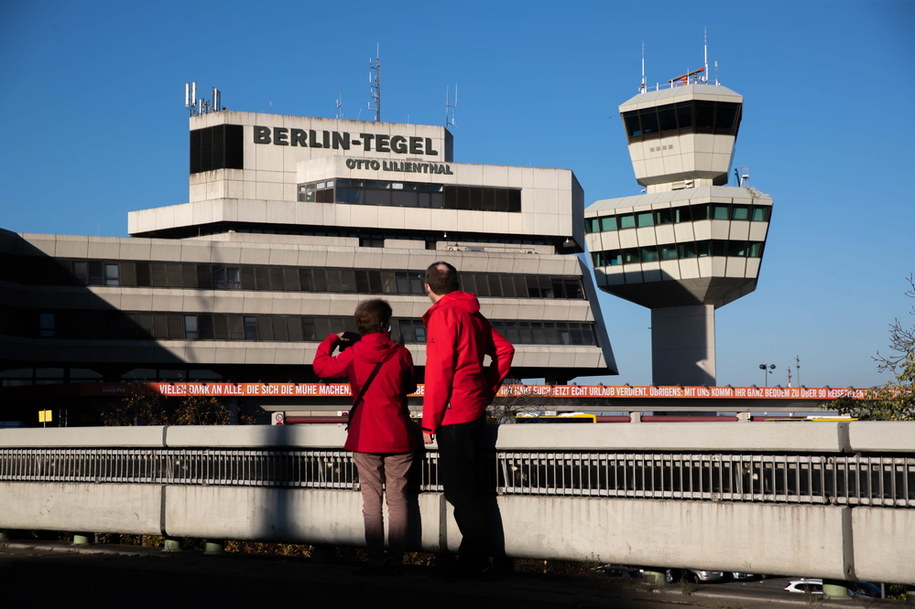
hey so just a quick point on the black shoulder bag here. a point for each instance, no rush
(368, 381)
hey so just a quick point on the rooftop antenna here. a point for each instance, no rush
(375, 82)
(340, 104)
(705, 54)
(449, 107)
(643, 87)
(197, 107)
(744, 176)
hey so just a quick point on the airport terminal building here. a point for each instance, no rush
(290, 222)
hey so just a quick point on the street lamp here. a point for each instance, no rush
(766, 372)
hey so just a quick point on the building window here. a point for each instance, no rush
(112, 274)
(47, 325)
(217, 147)
(250, 328)
(411, 194)
(190, 327)
(697, 116)
(693, 213)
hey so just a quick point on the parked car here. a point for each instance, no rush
(740, 576)
(693, 575)
(618, 571)
(814, 585)
(805, 585)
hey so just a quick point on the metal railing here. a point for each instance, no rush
(874, 480)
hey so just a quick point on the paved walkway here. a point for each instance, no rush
(41, 574)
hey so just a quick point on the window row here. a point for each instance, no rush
(116, 325)
(411, 194)
(677, 215)
(681, 118)
(283, 279)
(678, 251)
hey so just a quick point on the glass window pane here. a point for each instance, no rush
(720, 212)
(608, 223)
(667, 118)
(649, 118)
(740, 212)
(250, 328)
(761, 214)
(112, 274)
(644, 218)
(627, 221)
(649, 254)
(685, 115)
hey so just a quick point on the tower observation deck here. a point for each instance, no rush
(689, 243)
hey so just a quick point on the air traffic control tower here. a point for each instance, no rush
(690, 243)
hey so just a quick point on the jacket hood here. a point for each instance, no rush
(375, 347)
(464, 301)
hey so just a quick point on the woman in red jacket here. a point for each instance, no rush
(380, 374)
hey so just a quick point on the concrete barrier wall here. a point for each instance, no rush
(97, 508)
(884, 542)
(754, 538)
(871, 543)
(828, 437)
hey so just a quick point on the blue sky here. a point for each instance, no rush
(92, 93)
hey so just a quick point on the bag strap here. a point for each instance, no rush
(368, 381)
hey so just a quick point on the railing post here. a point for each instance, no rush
(80, 540)
(171, 545)
(834, 589)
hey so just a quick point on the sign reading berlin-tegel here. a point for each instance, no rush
(341, 140)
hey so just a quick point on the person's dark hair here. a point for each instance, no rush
(372, 316)
(442, 278)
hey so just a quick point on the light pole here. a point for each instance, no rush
(767, 370)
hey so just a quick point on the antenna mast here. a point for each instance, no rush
(449, 107)
(642, 87)
(705, 53)
(340, 104)
(375, 82)
(201, 106)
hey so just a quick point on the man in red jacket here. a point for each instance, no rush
(458, 387)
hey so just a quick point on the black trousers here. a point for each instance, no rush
(461, 456)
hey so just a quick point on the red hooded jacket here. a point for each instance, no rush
(457, 385)
(381, 423)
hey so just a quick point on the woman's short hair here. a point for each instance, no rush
(372, 316)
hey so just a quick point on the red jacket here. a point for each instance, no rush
(381, 423)
(457, 385)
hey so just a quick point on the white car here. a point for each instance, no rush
(805, 585)
(814, 585)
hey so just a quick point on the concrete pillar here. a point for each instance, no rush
(654, 578)
(213, 547)
(683, 345)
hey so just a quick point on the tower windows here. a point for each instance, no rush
(696, 116)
